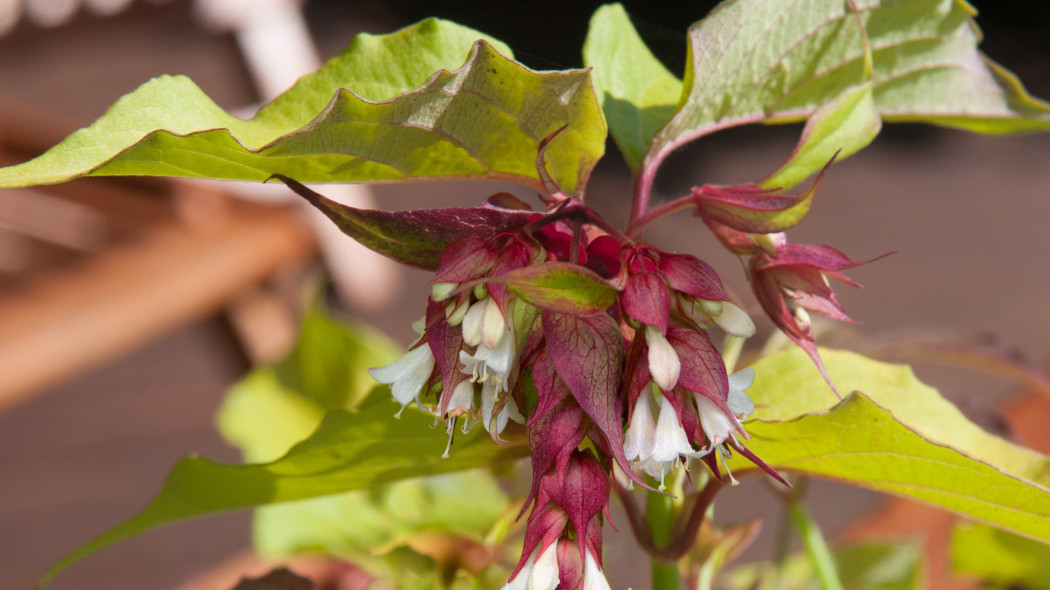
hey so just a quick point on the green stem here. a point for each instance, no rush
(732, 346)
(816, 547)
(660, 513)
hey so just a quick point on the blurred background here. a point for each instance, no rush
(127, 307)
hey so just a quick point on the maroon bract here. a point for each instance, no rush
(791, 280)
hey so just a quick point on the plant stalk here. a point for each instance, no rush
(816, 547)
(660, 513)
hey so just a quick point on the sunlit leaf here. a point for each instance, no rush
(895, 435)
(868, 566)
(1000, 558)
(837, 129)
(754, 61)
(637, 93)
(485, 119)
(350, 450)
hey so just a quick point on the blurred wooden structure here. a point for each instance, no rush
(93, 268)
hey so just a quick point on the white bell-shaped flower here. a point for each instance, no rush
(407, 375)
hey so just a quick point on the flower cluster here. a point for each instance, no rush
(581, 335)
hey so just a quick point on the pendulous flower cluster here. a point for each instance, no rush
(582, 336)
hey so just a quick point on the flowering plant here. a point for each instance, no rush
(551, 334)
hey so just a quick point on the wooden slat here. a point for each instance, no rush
(61, 324)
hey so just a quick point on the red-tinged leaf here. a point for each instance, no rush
(637, 375)
(583, 491)
(552, 439)
(753, 209)
(562, 287)
(550, 389)
(464, 260)
(647, 299)
(816, 256)
(587, 351)
(445, 342)
(692, 276)
(516, 254)
(703, 370)
(418, 237)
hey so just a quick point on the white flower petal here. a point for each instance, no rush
(664, 364)
(717, 426)
(408, 374)
(472, 323)
(544, 574)
(739, 402)
(670, 439)
(493, 326)
(461, 400)
(735, 321)
(638, 440)
(520, 581)
(593, 577)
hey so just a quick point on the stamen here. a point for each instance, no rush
(451, 434)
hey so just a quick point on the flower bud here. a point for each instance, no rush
(664, 364)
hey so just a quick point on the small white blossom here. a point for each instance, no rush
(638, 440)
(493, 363)
(664, 364)
(739, 402)
(538, 573)
(496, 424)
(656, 447)
(407, 375)
(717, 425)
(593, 577)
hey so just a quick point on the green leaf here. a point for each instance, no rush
(755, 61)
(898, 436)
(867, 566)
(376, 113)
(350, 450)
(637, 93)
(561, 286)
(837, 129)
(1001, 558)
(273, 408)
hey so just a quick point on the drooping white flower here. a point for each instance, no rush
(638, 440)
(664, 364)
(407, 375)
(739, 402)
(538, 573)
(493, 363)
(717, 425)
(593, 577)
(656, 447)
(669, 440)
(496, 423)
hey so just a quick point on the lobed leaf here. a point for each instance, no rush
(898, 436)
(416, 237)
(754, 61)
(370, 115)
(637, 93)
